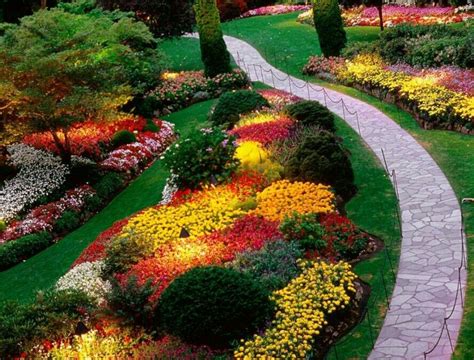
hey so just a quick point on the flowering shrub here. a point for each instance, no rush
(252, 156)
(423, 95)
(278, 99)
(204, 155)
(396, 14)
(44, 217)
(255, 118)
(179, 90)
(41, 173)
(282, 198)
(302, 307)
(86, 277)
(275, 10)
(266, 132)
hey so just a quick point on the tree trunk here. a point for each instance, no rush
(63, 152)
(43, 4)
(379, 8)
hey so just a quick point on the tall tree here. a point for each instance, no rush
(378, 4)
(66, 68)
(329, 27)
(214, 52)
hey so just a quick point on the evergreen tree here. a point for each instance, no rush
(214, 52)
(329, 26)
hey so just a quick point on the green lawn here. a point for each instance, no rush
(287, 45)
(43, 270)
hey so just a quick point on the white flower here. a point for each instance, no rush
(40, 174)
(86, 277)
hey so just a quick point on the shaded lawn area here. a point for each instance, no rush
(287, 45)
(43, 270)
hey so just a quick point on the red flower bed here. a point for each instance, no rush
(87, 138)
(96, 250)
(265, 133)
(171, 260)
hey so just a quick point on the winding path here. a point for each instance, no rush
(427, 281)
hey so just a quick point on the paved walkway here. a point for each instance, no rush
(431, 253)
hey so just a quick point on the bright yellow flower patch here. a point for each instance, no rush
(301, 309)
(283, 198)
(255, 118)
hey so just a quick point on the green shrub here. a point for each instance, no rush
(320, 158)
(329, 26)
(205, 156)
(305, 229)
(93, 203)
(13, 252)
(52, 314)
(131, 304)
(428, 45)
(235, 103)
(312, 113)
(68, 221)
(3, 225)
(273, 266)
(123, 137)
(151, 126)
(122, 253)
(214, 306)
(214, 52)
(109, 185)
(361, 47)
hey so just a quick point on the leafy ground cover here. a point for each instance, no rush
(452, 151)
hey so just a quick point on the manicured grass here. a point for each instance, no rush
(182, 54)
(43, 270)
(287, 45)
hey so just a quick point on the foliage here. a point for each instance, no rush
(214, 52)
(121, 254)
(71, 76)
(213, 306)
(13, 252)
(205, 156)
(329, 26)
(321, 158)
(165, 18)
(428, 46)
(305, 229)
(123, 137)
(230, 9)
(302, 309)
(233, 104)
(108, 185)
(179, 90)
(130, 302)
(312, 113)
(273, 266)
(53, 314)
(68, 221)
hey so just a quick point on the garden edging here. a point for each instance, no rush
(432, 248)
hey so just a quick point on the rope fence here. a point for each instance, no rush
(387, 269)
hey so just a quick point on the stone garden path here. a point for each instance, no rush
(427, 281)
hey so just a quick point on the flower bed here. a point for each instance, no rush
(396, 14)
(275, 10)
(223, 223)
(438, 98)
(42, 174)
(182, 89)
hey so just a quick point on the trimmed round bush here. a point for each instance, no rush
(123, 137)
(214, 306)
(312, 113)
(235, 103)
(321, 159)
(151, 126)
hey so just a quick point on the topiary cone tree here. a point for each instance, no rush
(329, 26)
(214, 52)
